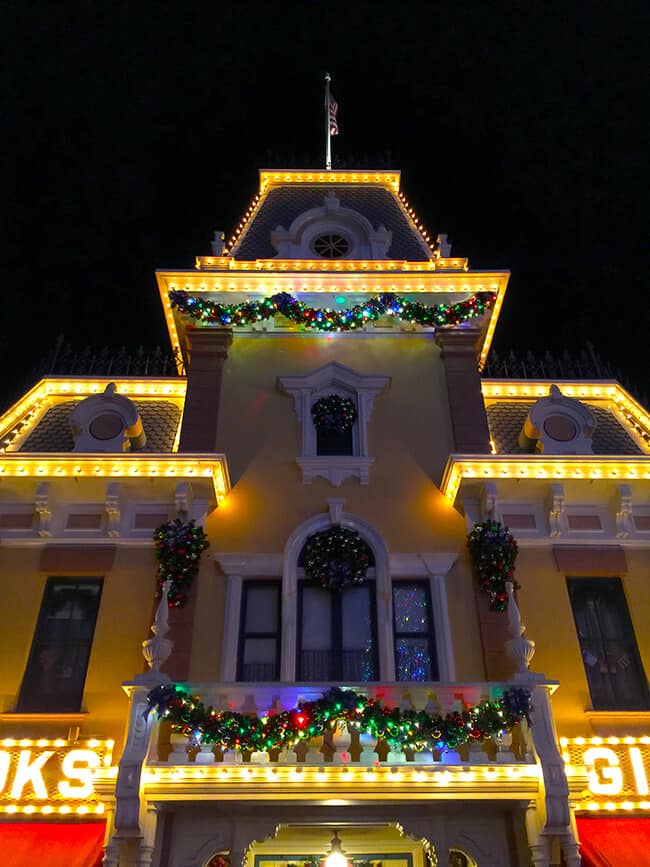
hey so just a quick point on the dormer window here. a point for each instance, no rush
(332, 232)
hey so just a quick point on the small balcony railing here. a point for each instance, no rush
(340, 746)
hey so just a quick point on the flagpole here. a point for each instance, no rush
(328, 136)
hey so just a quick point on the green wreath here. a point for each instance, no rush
(334, 414)
(336, 557)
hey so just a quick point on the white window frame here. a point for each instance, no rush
(334, 378)
(239, 567)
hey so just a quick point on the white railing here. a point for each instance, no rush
(340, 745)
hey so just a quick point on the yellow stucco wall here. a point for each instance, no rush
(409, 437)
(123, 621)
(546, 611)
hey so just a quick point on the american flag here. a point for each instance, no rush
(333, 108)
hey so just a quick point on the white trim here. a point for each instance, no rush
(439, 566)
(339, 379)
(246, 565)
(231, 628)
(335, 468)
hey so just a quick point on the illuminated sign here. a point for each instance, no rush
(617, 772)
(51, 776)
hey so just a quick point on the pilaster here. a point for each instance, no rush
(208, 351)
(459, 352)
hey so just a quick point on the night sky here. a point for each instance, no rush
(133, 130)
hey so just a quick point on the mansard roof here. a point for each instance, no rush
(52, 433)
(506, 421)
(283, 203)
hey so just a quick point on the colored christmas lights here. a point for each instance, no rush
(323, 319)
(334, 414)
(336, 557)
(494, 552)
(401, 729)
(178, 550)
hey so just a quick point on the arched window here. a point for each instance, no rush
(337, 630)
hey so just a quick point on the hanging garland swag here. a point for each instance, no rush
(336, 557)
(494, 552)
(402, 729)
(179, 546)
(334, 414)
(249, 312)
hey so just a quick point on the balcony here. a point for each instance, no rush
(341, 746)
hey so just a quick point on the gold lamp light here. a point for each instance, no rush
(336, 857)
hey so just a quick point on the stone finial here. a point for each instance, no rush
(444, 247)
(217, 244)
(156, 650)
(520, 649)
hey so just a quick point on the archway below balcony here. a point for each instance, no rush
(363, 845)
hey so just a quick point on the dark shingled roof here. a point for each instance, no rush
(53, 434)
(507, 419)
(283, 204)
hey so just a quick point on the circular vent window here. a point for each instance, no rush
(331, 246)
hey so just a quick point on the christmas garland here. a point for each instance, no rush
(334, 414)
(249, 312)
(335, 557)
(179, 547)
(402, 729)
(493, 551)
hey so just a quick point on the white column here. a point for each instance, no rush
(231, 621)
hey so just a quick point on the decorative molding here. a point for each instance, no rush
(334, 378)
(43, 509)
(365, 242)
(335, 468)
(183, 497)
(249, 565)
(113, 509)
(557, 518)
(490, 502)
(624, 516)
(107, 422)
(558, 425)
(335, 505)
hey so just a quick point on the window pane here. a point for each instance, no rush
(259, 659)
(56, 671)
(262, 608)
(334, 443)
(356, 617)
(316, 619)
(358, 656)
(413, 659)
(607, 643)
(411, 607)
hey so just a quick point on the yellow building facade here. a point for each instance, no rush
(335, 442)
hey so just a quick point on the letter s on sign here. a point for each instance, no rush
(89, 760)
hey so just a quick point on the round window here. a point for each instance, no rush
(331, 246)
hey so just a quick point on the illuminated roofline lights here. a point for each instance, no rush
(269, 178)
(128, 466)
(552, 468)
(231, 263)
(495, 390)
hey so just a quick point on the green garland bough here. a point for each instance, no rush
(401, 729)
(494, 552)
(334, 414)
(335, 557)
(179, 546)
(248, 312)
